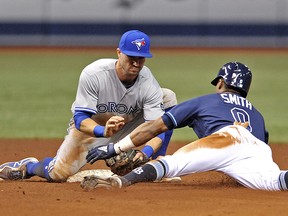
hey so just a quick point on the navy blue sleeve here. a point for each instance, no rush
(168, 122)
(181, 115)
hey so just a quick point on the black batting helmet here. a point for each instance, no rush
(236, 75)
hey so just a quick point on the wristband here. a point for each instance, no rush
(148, 150)
(124, 145)
(99, 131)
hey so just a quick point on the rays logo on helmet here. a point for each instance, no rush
(236, 80)
(139, 43)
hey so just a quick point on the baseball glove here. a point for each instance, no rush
(123, 163)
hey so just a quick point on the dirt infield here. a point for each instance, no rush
(207, 194)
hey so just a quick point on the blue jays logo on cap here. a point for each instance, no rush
(139, 43)
(135, 43)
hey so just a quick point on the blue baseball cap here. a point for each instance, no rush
(135, 43)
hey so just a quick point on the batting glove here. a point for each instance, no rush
(100, 153)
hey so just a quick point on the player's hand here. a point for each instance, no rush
(100, 153)
(140, 156)
(113, 125)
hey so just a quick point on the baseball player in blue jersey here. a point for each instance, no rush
(114, 96)
(232, 133)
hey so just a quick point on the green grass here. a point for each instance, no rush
(38, 87)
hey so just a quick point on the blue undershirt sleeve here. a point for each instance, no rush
(161, 136)
(79, 116)
(148, 150)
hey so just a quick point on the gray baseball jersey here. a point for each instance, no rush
(101, 92)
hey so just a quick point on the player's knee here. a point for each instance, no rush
(169, 98)
(60, 172)
(57, 175)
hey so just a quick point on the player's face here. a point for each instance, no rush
(131, 65)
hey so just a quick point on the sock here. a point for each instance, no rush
(147, 173)
(40, 168)
(283, 180)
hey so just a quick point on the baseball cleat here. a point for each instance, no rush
(93, 181)
(16, 170)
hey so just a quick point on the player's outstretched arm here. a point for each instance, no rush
(145, 132)
(139, 136)
(90, 127)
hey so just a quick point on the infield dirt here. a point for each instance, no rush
(207, 194)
